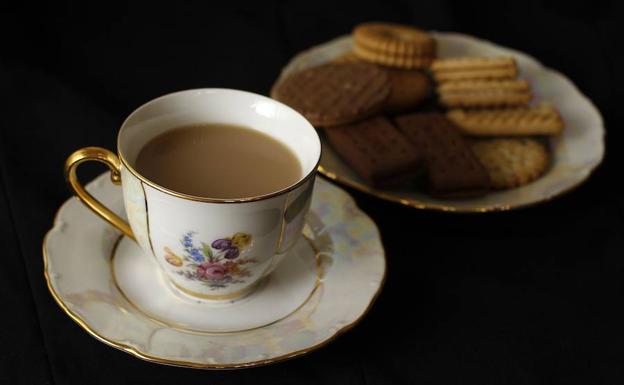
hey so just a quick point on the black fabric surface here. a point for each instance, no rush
(527, 297)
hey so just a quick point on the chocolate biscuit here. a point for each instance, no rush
(452, 168)
(409, 88)
(377, 151)
(335, 93)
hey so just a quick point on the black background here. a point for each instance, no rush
(527, 297)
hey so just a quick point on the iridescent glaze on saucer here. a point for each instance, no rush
(343, 243)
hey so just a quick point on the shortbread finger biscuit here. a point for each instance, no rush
(472, 63)
(511, 162)
(335, 93)
(478, 74)
(408, 89)
(494, 98)
(516, 85)
(452, 169)
(540, 120)
(377, 151)
(474, 68)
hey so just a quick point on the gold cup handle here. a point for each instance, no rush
(101, 155)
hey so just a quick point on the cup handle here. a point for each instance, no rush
(101, 155)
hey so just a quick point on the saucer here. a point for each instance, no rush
(139, 278)
(117, 294)
(575, 153)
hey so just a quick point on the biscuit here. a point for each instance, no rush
(406, 62)
(394, 45)
(539, 120)
(408, 88)
(452, 169)
(494, 98)
(511, 162)
(486, 74)
(472, 63)
(377, 151)
(484, 93)
(518, 85)
(474, 68)
(335, 93)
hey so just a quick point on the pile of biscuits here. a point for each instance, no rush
(399, 115)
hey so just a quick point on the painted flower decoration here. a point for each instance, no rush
(217, 264)
(241, 240)
(222, 244)
(211, 270)
(172, 258)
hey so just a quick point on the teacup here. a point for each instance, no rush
(190, 236)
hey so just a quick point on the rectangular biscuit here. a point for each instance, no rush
(472, 63)
(539, 120)
(484, 93)
(476, 74)
(516, 85)
(452, 168)
(377, 151)
(494, 98)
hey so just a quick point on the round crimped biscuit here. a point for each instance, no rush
(511, 162)
(394, 45)
(335, 93)
(398, 61)
(394, 39)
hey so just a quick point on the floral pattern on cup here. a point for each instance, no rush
(217, 264)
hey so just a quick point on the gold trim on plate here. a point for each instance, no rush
(189, 364)
(421, 205)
